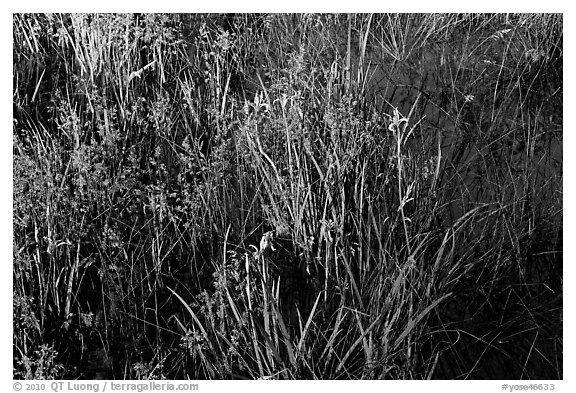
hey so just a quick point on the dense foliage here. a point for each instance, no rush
(287, 196)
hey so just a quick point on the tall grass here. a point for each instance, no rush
(408, 167)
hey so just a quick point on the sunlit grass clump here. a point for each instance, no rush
(287, 196)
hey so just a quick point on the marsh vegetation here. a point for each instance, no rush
(287, 196)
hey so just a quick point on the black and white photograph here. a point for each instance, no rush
(287, 196)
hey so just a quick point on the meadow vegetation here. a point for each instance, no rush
(409, 168)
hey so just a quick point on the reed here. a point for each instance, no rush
(287, 196)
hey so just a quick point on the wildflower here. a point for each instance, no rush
(266, 242)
